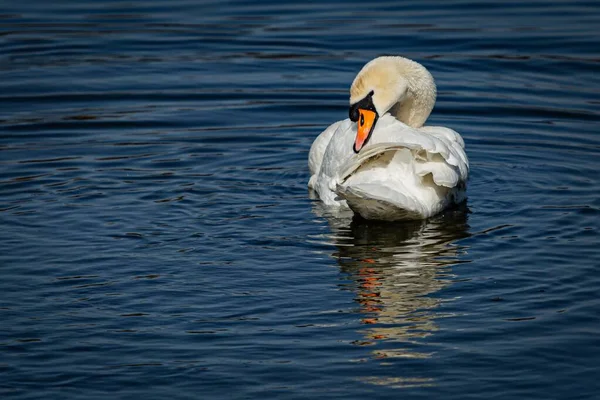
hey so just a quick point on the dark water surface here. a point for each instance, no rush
(157, 239)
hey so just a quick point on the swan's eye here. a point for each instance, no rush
(362, 119)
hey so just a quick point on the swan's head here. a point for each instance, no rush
(375, 90)
(382, 85)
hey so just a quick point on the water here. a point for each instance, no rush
(157, 238)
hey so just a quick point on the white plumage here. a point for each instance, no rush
(404, 171)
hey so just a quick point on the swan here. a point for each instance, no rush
(382, 163)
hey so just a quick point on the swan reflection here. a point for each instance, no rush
(395, 269)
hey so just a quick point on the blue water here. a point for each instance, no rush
(157, 237)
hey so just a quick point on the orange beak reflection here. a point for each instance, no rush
(365, 125)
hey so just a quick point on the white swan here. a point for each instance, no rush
(382, 162)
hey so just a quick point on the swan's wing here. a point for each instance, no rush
(317, 150)
(455, 144)
(444, 133)
(414, 174)
(446, 163)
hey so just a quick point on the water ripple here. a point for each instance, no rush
(157, 227)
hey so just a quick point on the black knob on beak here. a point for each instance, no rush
(353, 113)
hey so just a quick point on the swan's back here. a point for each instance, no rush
(405, 173)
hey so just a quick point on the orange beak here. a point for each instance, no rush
(365, 125)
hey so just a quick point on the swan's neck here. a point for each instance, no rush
(417, 93)
(400, 86)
